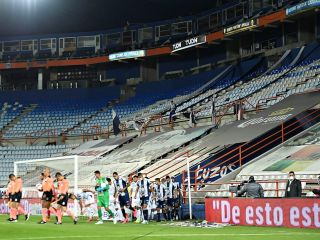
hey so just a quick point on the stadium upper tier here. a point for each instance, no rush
(156, 34)
(73, 112)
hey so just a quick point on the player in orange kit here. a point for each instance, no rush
(9, 192)
(18, 183)
(47, 188)
(16, 195)
(62, 200)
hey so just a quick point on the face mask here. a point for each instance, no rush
(291, 178)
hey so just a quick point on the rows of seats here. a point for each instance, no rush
(148, 102)
(9, 155)
(165, 89)
(271, 88)
(302, 79)
(57, 111)
(8, 112)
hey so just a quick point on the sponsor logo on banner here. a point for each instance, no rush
(284, 212)
(281, 111)
(240, 27)
(302, 6)
(94, 151)
(8, 65)
(33, 205)
(188, 43)
(274, 117)
(212, 171)
(127, 55)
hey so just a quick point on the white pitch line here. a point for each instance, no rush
(167, 235)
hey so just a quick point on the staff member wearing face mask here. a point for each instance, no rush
(293, 188)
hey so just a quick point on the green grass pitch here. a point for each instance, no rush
(32, 231)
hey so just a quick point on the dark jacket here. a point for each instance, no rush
(316, 192)
(252, 189)
(295, 188)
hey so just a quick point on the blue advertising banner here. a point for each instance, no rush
(302, 6)
(127, 55)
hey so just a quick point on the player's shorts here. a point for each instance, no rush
(89, 211)
(135, 202)
(103, 201)
(175, 202)
(144, 200)
(64, 201)
(113, 204)
(16, 197)
(90, 202)
(169, 202)
(47, 196)
(152, 204)
(160, 204)
(124, 201)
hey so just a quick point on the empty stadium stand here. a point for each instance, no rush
(271, 171)
(8, 155)
(56, 111)
(271, 72)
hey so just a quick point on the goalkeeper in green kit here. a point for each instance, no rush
(102, 189)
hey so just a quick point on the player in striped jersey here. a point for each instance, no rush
(135, 197)
(114, 205)
(176, 199)
(159, 196)
(122, 194)
(169, 202)
(144, 191)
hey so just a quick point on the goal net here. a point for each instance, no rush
(79, 170)
(69, 166)
(30, 172)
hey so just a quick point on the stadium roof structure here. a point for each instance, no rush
(29, 17)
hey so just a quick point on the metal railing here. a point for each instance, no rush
(248, 151)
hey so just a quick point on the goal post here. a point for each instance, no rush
(30, 172)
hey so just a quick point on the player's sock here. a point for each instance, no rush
(44, 214)
(100, 214)
(169, 215)
(52, 210)
(59, 215)
(110, 213)
(177, 214)
(22, 211)
(91, 212)
(158, 217)
(145, 214)
(48, 213)
(13, 213)
(123, 212)
(165, 216)
(69, 212)
(152, 214)
(138, 214)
